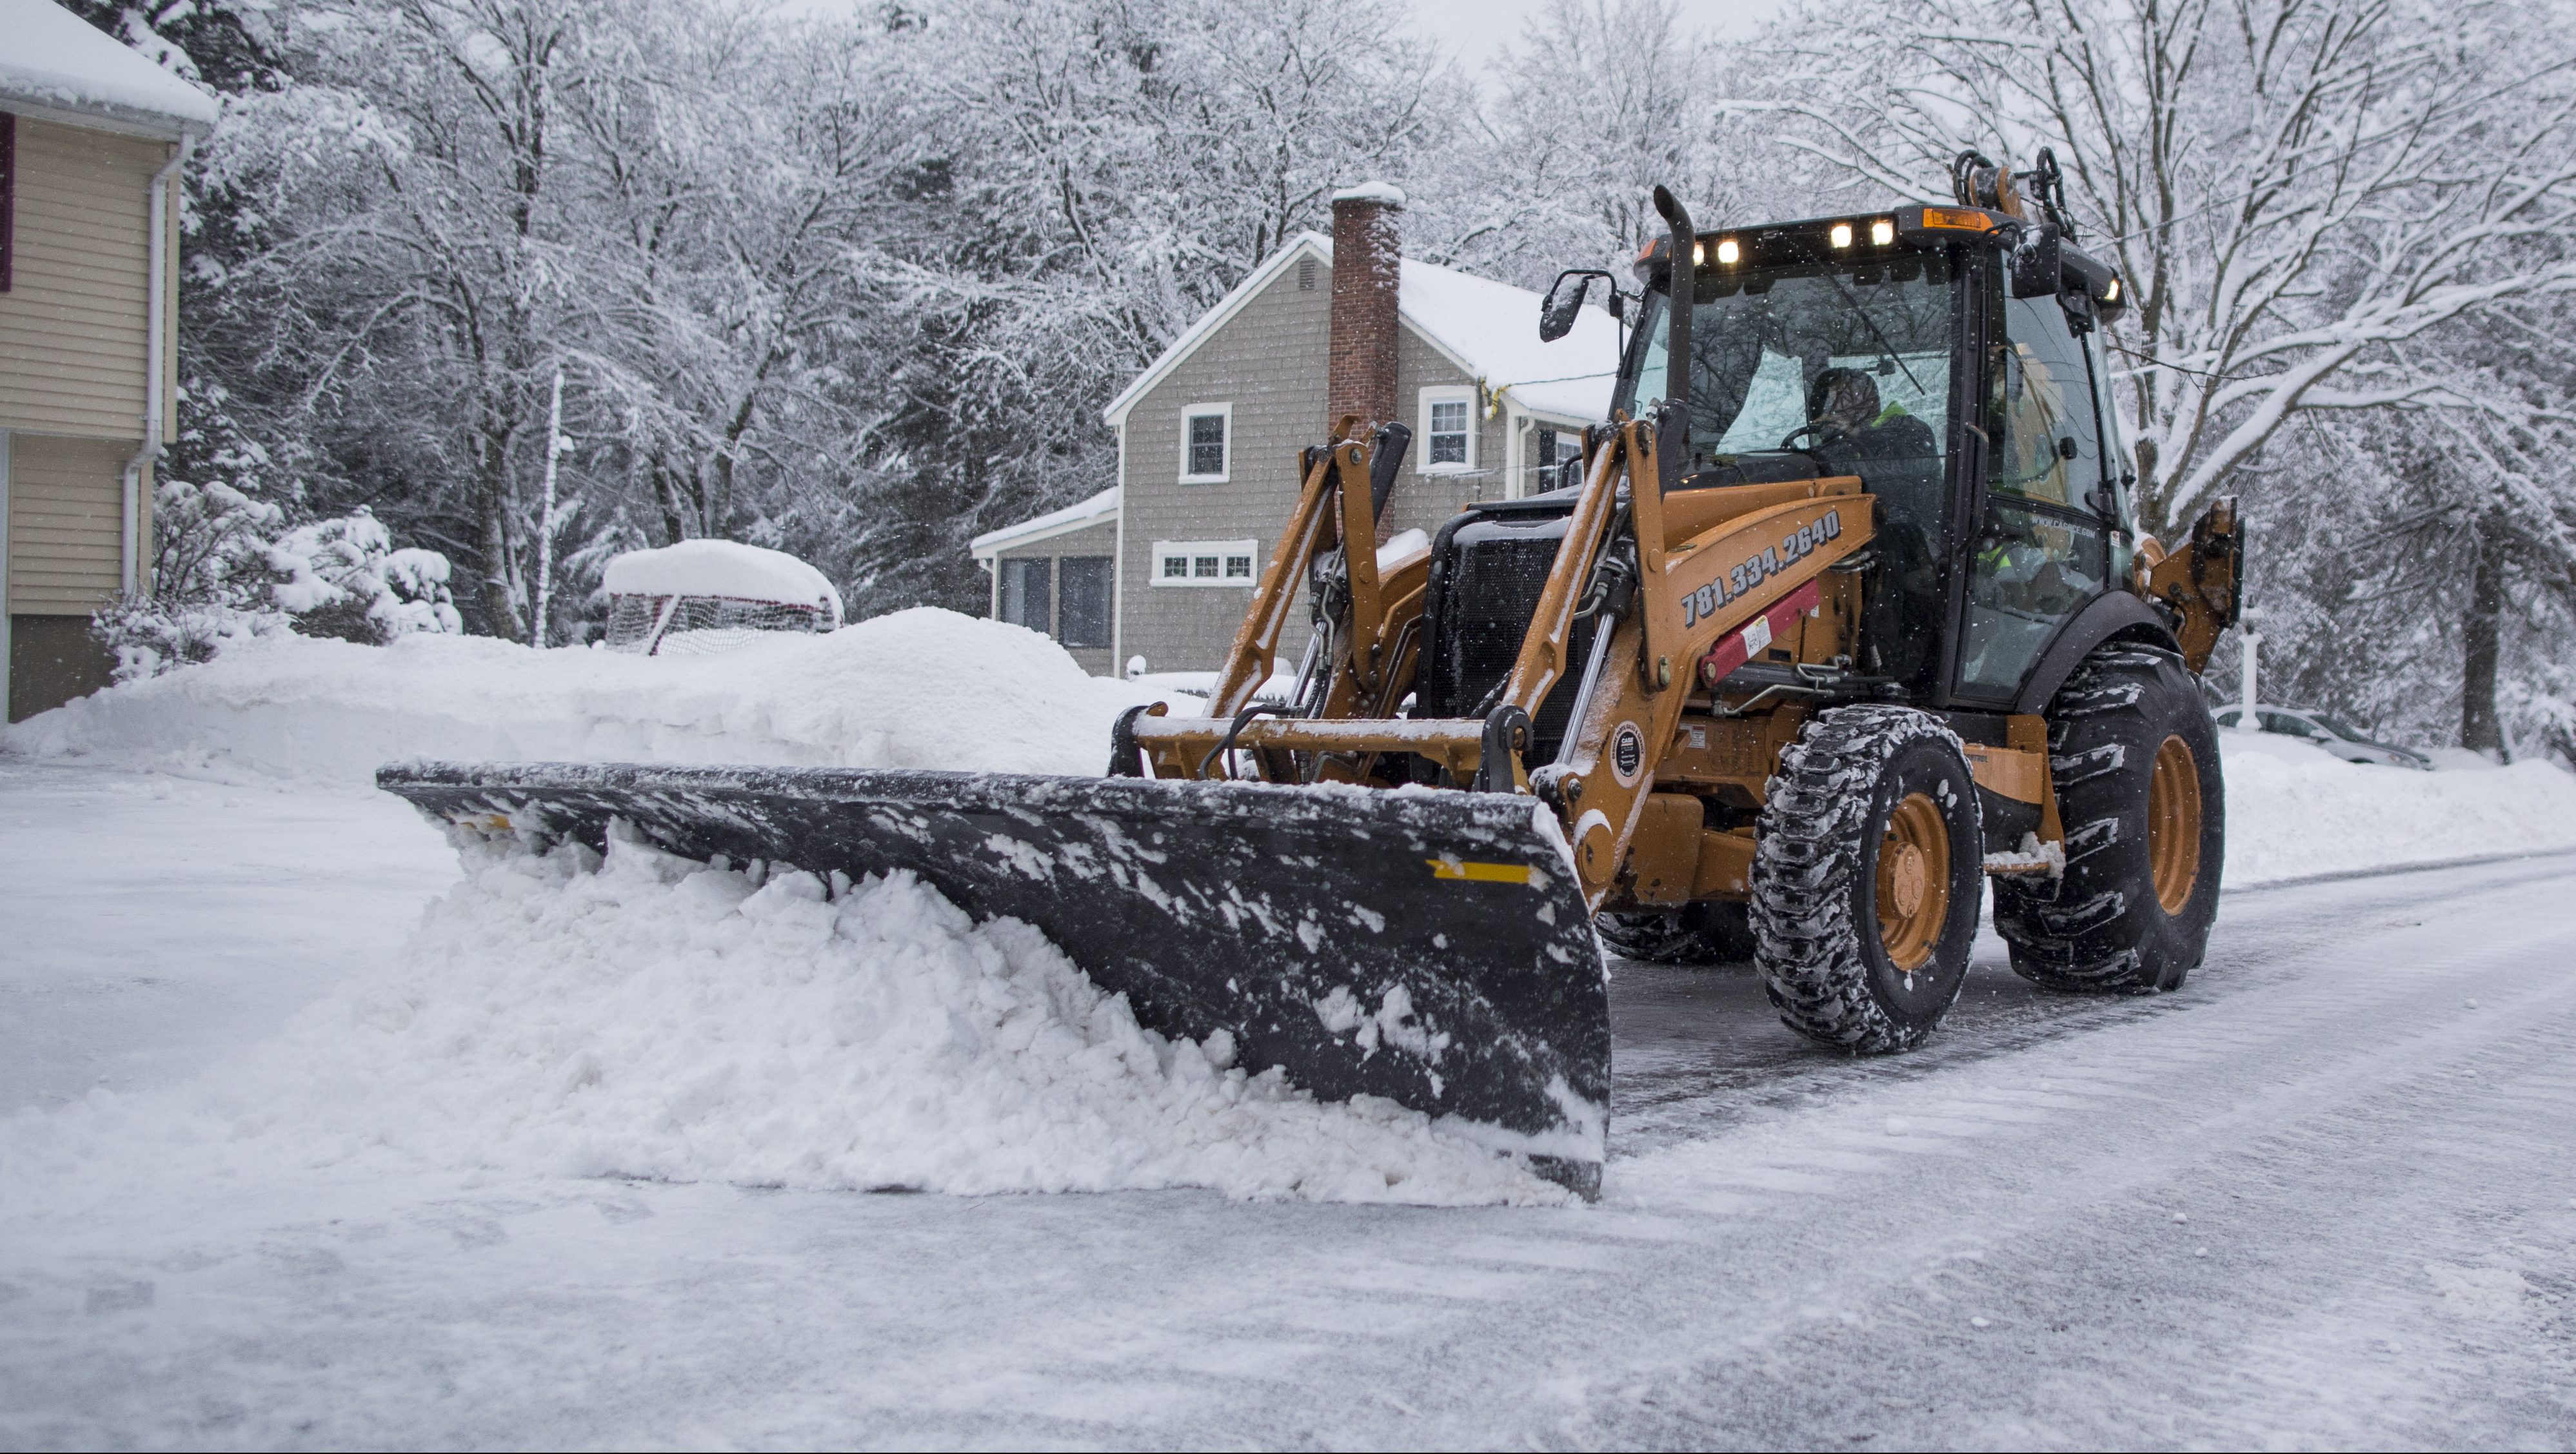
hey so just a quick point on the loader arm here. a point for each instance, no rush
(1367, 635)
(1746, 567)
(1255, 651)
(2201, 587)
(1706, 603)
(1352, 724)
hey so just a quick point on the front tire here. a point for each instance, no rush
(2135, 758)
(1867, 867)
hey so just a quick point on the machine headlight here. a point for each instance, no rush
(1841, 234)
(1882, 232)
(1727, 251)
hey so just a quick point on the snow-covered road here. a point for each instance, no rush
(2322, 1196)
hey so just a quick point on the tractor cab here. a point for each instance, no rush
(1950, 357)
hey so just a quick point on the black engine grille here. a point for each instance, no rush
(1487, 584)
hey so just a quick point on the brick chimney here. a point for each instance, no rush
(1360, 375)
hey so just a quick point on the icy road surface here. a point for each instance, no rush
(2322, 1196)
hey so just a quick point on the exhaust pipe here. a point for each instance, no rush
(1672, 450)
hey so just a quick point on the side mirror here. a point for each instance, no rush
(1564, 300)
(2034, 261)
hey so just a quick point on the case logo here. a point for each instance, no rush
(1627, 754)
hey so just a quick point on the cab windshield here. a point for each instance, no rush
(1793, 358)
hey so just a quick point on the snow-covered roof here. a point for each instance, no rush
(1103, 506)
(55, 61)
(1489, 330)
(720, 568)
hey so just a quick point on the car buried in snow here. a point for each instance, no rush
(2326, 730)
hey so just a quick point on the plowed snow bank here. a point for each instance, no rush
(2294, 811)
(920, 688)
(654, 1017)
(930, 688)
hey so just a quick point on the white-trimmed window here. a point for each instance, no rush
(1205, 563)
(1207, 444)
(1448, 429)
(1552, 447)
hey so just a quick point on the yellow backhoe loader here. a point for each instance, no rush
(1846, 612)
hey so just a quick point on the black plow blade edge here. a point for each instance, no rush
(1427, 947)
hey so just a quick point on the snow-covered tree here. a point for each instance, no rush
(2293, 190)
(1591, 107)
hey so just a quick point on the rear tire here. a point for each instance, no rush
(1712, 931)
(1867, 867)
(2135, 758)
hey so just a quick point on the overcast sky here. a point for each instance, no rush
(1471, 29)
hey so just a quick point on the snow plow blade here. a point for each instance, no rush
(1429, 948)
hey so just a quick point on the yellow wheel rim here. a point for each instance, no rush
(1913, 881)
(2173, 824)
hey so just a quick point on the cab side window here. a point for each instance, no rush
(2045, 441)
(2041, 551)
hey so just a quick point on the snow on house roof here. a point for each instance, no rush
(56, 61)
(1489, 330)
(1103, 506)
(723, 568)
(1492, 330)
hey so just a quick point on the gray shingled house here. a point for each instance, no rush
(1161, 564)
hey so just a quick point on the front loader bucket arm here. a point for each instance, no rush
(1256, 641)
(1331, 532)
(2202, 586)
(1429, 948)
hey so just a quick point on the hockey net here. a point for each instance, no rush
(700, 625)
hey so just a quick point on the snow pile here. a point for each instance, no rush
(655, 1017)
(2294, 811)
(920, 688)
(933, 689)
(723, 568)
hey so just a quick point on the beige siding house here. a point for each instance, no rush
(92, 136)
(1209, 437)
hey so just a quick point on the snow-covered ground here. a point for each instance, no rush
(317, 1143)
(2358, 1110)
